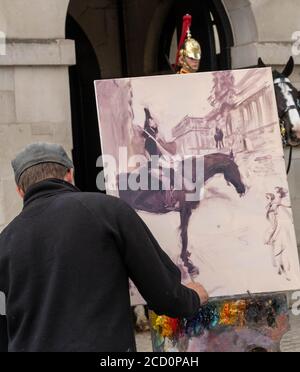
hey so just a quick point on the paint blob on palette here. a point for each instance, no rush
(255, 324)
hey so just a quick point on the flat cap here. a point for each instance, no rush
(39, 153)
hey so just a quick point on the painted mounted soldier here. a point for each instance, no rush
(155, 145)
(150, 133)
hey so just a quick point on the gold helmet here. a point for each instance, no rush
(188, 47)
(191, 48)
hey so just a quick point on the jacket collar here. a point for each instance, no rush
(46, 189)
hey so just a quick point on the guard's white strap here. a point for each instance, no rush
(281, 81)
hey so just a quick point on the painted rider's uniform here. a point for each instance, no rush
(188, 49)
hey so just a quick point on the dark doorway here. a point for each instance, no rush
(86, 139)
(210, 26)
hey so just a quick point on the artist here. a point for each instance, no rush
(66, 259)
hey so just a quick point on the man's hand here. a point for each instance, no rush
(203, 295)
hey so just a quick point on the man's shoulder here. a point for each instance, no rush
(95, 197)
(101, 206)
(98, 201)
(8, 232)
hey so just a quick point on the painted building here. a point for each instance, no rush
(194, 136)
(241, 115)
(51, 51)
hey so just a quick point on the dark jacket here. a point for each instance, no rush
(64, 268)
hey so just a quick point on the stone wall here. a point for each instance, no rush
(34, 86)
(294, 183)
(263, 28)
(99, 20)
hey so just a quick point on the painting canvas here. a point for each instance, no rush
(217, 198)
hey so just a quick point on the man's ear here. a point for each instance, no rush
(20, 192)
(69, 177)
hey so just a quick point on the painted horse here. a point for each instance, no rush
(155, 201)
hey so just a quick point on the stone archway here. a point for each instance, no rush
(210, 26)
(154, 34)
(245, 32)
(263, 28)
(99, 21)
(85, 131)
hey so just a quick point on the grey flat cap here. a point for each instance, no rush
(39, 153)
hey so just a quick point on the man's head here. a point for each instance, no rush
(39, 162)
(190, 55)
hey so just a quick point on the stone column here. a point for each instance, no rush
(242, 113)
(259, 110)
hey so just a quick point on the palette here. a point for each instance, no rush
(250, 324)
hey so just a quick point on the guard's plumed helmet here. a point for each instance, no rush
(188, 47)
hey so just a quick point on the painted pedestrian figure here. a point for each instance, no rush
(219, 138)
(276, 233)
